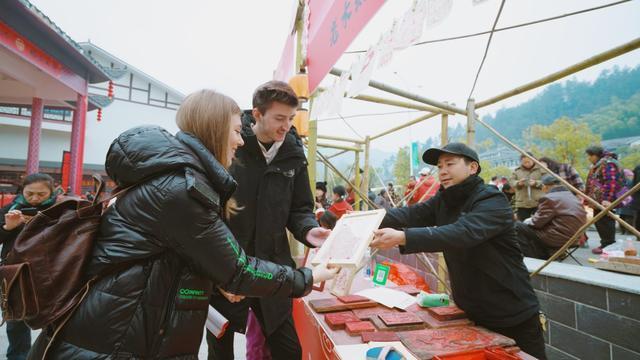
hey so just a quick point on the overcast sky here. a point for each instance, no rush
(232, 46)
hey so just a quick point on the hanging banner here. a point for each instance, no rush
(332, 28)
(415, 155)
(285, 69)
(361, 72)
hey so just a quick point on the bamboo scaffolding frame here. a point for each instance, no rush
(437, 107)
(407, 95)
(594, 60)
(407, 124)
(339, 138)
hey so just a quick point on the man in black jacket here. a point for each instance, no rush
(273, 195)
(472, 224)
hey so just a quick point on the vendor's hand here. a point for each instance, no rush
(323, 272)
(387, 238)
(532, 183)
(13, 219)
(606, 203)
(317, 236)
(521, 182)
(231, 297)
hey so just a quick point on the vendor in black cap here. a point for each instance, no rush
(472, 224)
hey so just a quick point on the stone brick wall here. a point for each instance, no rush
(588, 321)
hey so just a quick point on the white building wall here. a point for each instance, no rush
(15, 142)
(116, 118)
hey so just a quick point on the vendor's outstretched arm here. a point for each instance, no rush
(483, 222)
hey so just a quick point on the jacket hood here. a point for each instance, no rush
(143, 152)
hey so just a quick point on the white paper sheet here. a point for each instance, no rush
(388, 297)
(216, 323)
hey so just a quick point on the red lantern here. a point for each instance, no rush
(110, 90)
(99, 118)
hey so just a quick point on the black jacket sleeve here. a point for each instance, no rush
(486, 219)
(4, 234)
(202, 239)
(301, 216)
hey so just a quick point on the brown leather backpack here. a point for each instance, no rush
(43, 277)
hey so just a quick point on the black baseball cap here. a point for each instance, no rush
(431, 155)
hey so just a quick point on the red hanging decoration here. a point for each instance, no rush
(110, 90)
(99, 118)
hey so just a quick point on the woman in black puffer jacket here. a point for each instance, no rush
(168, 237)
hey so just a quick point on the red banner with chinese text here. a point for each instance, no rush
(332, 28)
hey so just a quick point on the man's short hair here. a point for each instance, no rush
(273, 91)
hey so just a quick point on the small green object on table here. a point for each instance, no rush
(381, 274)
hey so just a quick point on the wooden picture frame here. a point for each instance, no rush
(350, 239)
(309, 253)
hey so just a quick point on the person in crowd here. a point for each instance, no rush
(427, 186)
(273, 196)
(495, 181)
(340, 205)
(565, 171)
(559, 216)
(508, 191)
(604, 182)
(382, 199)
(393, 195)
(528, 188)
(328, 220)
(37, 194)
(163, 247)
(410, 187)
(472, 224)
(321, 195)
(635, 201)
(627, 212)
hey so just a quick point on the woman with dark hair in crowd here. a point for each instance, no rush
(565, 171)
(37, 194)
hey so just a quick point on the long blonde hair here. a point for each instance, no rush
(207, 115)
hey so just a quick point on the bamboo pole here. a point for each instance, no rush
(365, 178)
(358, 183)
(312, 144)
(584, 228)
(471, 123)
(339, 147)
(563, 181)
(339, 138)
(407, 124)
(337, 154)
(403, 104)
(594, 60)
(444, 130)
(406, 94)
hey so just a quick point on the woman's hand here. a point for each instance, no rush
(13, 219)
(231, 297)
(323, 272)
